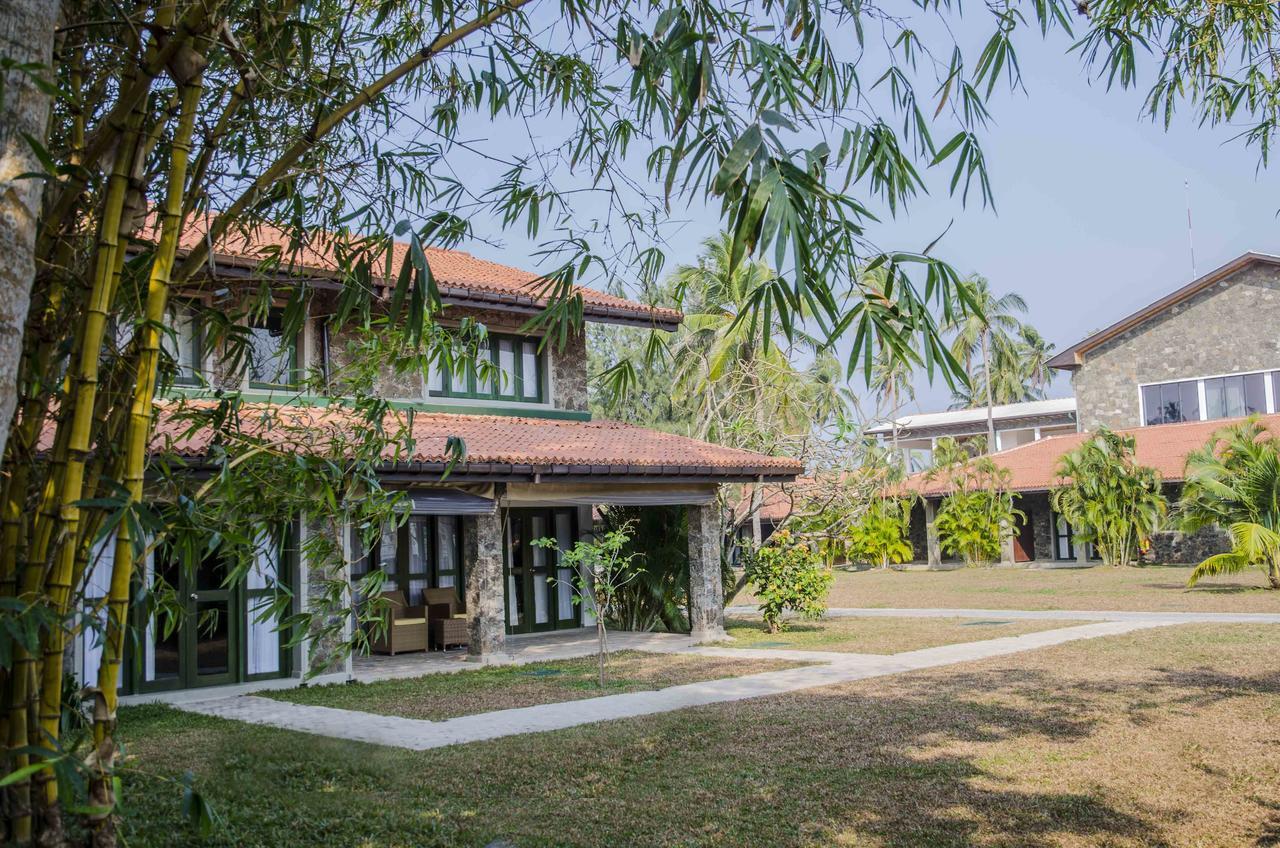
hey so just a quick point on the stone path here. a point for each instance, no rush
(418, 735)
(1154, 617)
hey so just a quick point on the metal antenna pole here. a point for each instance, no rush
(1191, 242)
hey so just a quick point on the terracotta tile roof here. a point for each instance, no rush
(1163, 447)
(460, 276)
(495, 444)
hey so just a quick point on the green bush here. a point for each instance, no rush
(879, 537)
(979, 508)
(785, 574)
(1111, 500)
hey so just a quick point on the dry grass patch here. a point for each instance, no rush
(1164, 737)
(436, 697)
(1155, 587)
(879, 635)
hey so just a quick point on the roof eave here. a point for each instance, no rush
(1073, 357)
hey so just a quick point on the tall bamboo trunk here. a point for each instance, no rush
(986, 368)
(137, 434)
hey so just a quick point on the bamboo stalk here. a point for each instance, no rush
(137, 434)
(197, 256)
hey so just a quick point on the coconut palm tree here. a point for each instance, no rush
(980, 330)
(1234, 482)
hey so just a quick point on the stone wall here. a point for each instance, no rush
(1036, 507)
(1170, 546)
(325, 651)
(1229, 327)
(568, 367)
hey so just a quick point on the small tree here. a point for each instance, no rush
(1111, 500)
(979, 509)
(1234, 482)
(788, 574)
(601, 568)
(880, 537)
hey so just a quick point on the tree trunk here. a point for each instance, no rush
(1273, 575)
(26, 32)
(986, 369)
(603, 651)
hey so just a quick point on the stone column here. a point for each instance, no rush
(1082, 550)
(706, 591)
(931, 534)
(1007, 554)
(482, 562)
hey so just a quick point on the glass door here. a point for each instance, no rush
(539, 590)
(213, 638)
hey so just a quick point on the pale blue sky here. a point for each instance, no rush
(1091, 216)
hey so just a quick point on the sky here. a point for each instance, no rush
(1090, 221)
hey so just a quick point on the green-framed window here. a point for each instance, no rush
(516, 371)
(273, 361)
(184, 343)
(424, 552)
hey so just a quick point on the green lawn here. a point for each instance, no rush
(1159, 737)
(879, 635)
(439, 696)
(1155, 587)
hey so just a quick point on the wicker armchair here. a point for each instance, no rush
(448, 626)
(406, 628)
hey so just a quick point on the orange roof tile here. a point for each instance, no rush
(1033, 466)
(460, 276)
(495, 444)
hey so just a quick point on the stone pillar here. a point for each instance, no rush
(931, 534)
(486, 607)
(1007, 553)
(706, 591)
(1082, 550)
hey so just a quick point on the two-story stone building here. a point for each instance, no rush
(535, 466)
(1170, 375)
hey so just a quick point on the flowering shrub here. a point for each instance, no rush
(787, 574)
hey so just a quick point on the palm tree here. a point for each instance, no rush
(987, 324)
(1234, 482)
(1110, 500)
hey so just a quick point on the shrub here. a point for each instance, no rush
(1111, 500)
(786, 574)
(880, 535)
(979, 509)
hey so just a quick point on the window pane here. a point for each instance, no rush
(1171, 402)
(447, 540)
(1151, 405)
(387, 554)
(564, 576)
(419, 545)
(435, 377)
(1255, 394)
(506, 367)
(1215, 399)
(1233, 389)
(1190, 400)
(1275, 390)
(271, 353)
(182, 344)
(529, 366)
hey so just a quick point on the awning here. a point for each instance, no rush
(449, 502)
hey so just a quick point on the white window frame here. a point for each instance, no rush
(1268, 392)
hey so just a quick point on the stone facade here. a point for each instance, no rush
(706, 586)
(1170, 546)
(568, 368)
(482, 553)
(328, 605)
(1227, 328)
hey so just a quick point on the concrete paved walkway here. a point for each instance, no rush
(418, 735)
(1155, 617)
